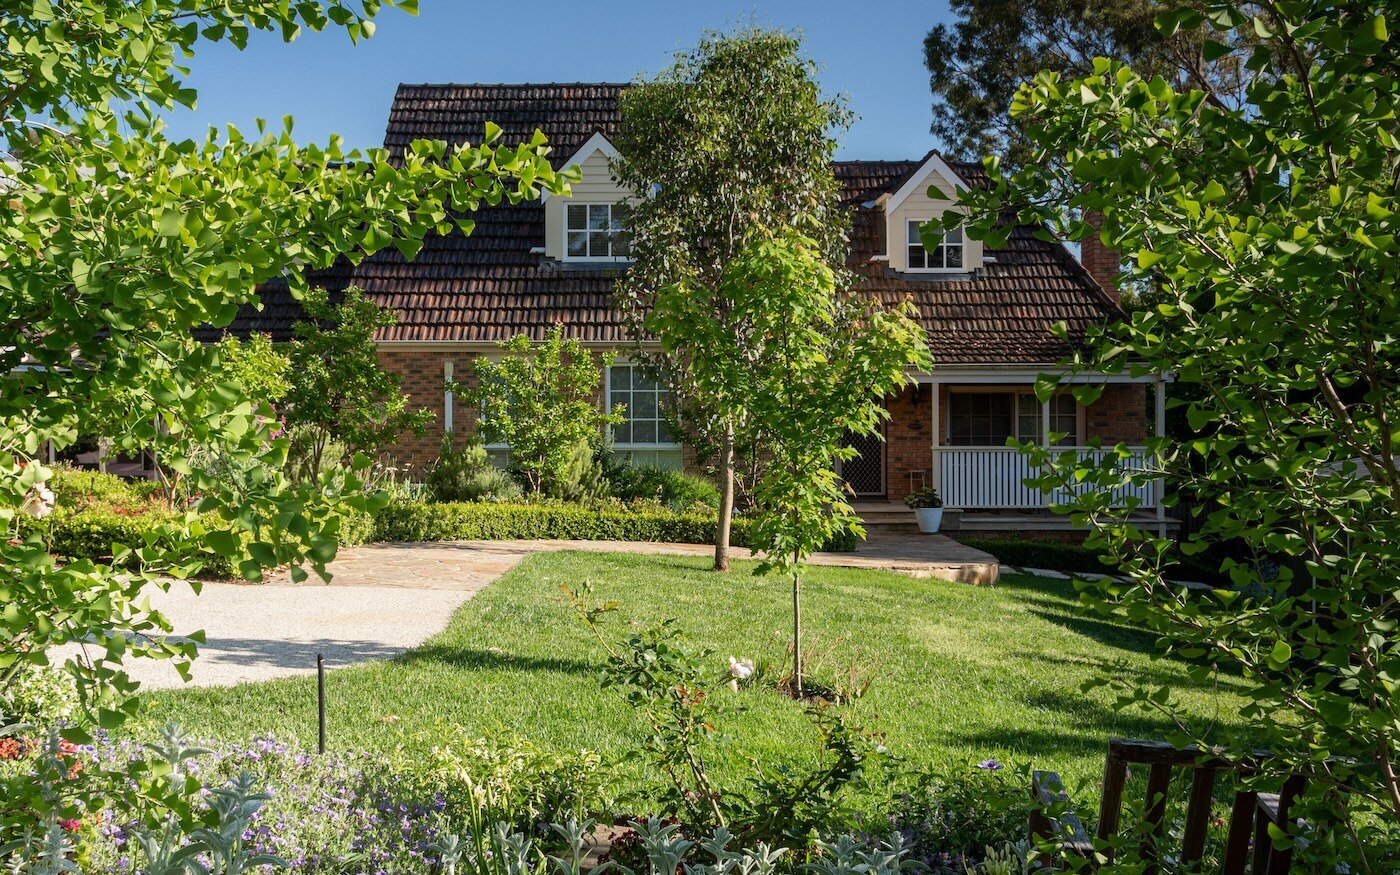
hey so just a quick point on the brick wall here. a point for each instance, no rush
(1102, 263)
(909, 440)
(420, 374)
(1120, 414)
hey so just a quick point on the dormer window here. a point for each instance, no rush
(597, 231)
(947, 255)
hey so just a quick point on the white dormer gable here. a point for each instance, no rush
(929, 192)
(596, 189)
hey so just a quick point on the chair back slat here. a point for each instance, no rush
(1237, 838)
(1159, 778)
(1251, 814)
(1193, 842)
(1115, 775)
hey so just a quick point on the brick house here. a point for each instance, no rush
(525, 268)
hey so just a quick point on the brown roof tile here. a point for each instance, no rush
(489, 286)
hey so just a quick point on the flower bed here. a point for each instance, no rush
(349, 813)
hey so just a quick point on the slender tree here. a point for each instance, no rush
(730, 145)
(339, 392)
(816, 364)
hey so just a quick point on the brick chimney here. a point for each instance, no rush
(1103, 264)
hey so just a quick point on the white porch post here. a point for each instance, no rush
(936, 472)
(1045, 423)
(1159, 401)
(447, 396)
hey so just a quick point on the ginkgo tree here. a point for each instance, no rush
(1270, 230)
(117, 241)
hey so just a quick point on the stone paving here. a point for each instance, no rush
(386, 598)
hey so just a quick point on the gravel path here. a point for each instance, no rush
(386, 598)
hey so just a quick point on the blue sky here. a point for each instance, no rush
(870, 51)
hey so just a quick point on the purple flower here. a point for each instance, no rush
(990, 766)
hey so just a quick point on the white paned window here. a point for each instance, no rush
(987, 419)
(596, 231)
(645, 436)
(947, 255)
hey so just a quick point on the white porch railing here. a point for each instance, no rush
(994, 478)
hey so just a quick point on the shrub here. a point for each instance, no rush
(39, 697)
(466, 474)
(581, 479)
(675, 489)
(463, 521)
(77, 487)
(1069, 558)
(1075, 558)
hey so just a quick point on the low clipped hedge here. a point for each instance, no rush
(93, 531)
(484, 521)
(1077, 559)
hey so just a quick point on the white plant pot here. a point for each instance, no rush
(930, 518)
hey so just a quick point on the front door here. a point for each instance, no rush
(865, 472)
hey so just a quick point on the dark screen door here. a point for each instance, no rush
(865, 473)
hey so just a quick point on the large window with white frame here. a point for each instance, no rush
(645, 436)
(947, 255)
(596, 231)
(988, 419)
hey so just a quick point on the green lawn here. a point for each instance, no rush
(964, 673)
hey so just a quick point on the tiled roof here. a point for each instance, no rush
(490, 286)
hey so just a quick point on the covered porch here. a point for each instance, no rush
(949, 432)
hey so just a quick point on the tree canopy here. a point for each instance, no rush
(118, 241)
(977, 62)
(1271, 231)
(728, 147)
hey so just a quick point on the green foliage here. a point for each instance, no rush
(41, 698)
(814, 368)
(926, 497)
(466, 474)
(117, 243)
(255, 368)
(1271, 231)
(977, 62)
(77, 487)
(583, 478)
(340, 396)
(950, 815)
(729, 147)
(541, 400)
(680, 689)
(678, 490)
(422, 521)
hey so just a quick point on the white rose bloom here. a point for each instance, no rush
(39, 502)
(740, 669)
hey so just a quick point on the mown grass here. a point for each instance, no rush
(962, 673)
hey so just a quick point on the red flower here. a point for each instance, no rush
(71, 824)
(12, 749)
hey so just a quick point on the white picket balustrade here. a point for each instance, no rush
(994, 478)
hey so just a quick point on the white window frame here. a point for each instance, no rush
(630, 446)
(912, 239)
(588, 234)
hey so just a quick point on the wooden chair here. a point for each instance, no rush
(1250, 815)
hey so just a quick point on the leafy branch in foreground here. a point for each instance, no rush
(1271, 232)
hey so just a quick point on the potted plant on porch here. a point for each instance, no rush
(928, 507)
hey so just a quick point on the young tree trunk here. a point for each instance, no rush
(726, 498)
(796, 635)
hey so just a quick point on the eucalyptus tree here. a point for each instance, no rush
(1271, 231)
(729, 146)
